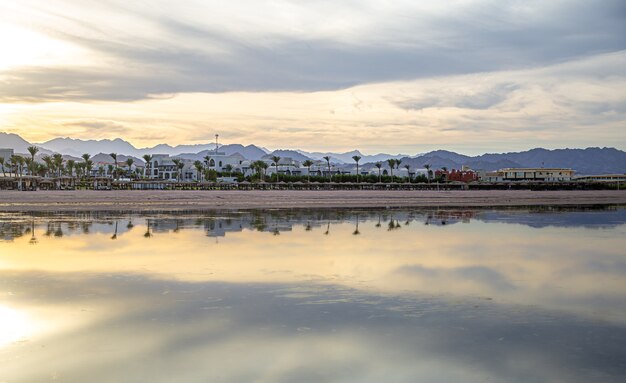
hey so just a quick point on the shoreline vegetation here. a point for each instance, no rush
(198, 200)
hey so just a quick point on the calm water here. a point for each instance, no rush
(314, 296)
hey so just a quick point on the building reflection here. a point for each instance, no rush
(219, 224)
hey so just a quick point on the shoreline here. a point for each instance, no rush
(129, 200)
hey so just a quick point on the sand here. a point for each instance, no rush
(209, 200)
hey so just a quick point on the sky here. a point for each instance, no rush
(472, 76)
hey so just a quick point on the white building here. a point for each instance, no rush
(163, 167)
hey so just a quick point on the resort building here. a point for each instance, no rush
(286, 166)
(6, 153)
(529, 174)
(221, 162)
(464, 175)
(602, 178)
(163, 167)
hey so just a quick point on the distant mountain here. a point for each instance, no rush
(293, 154)
(77, 147)
(250, 152)
(347, 156)
(18, 144)
(583, 161)
(106, 158)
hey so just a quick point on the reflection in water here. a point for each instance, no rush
(310, 296)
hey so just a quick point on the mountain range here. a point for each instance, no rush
(584, 161)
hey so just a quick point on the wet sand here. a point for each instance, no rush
(207, 200)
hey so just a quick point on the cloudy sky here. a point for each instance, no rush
(403, 76)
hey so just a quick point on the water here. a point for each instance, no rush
(314, 296)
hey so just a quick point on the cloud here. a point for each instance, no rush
(475, 274)
(138, 53)
(467, 99)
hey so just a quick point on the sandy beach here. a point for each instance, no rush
(207, 200)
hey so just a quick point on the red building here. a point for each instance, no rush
(457, 175)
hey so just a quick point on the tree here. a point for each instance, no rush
(114, 156)
(32, 150)
(275, 159)
(147, 170)
(57, 160)
(49, 164)
(177, 164)
(181, 166)
(4, 173)
(327, 158)
(357, 159)
(199, 168)
(260, 167)
(408, 171)
(88, 164)
(129, 163)
(379, 165)
(70, 167)
(17, 162)
(88, 167)
(229, 169)
(308, 164)
(81, 169)
(428, 172)
(392, 163)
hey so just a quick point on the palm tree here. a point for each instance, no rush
(32, 150)
(379, 165)
(427, 167)
(148, 166)
(70, 167)
(4, 173)
(17, 163)
(199, 167)
(57, 160)
(275, 159)
(327, 158)
(81, 169)
(181, 166)
(177, 162)
(263, 166)
(229, 169)
(88, 164)
(392, 163)
(357, 159)
(129, 163)
(114, 156)
(308, 164)
(408, 171)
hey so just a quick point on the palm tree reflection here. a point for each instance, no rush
(356, 230)
(147, 234)
(33, 239)
(114, 236)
